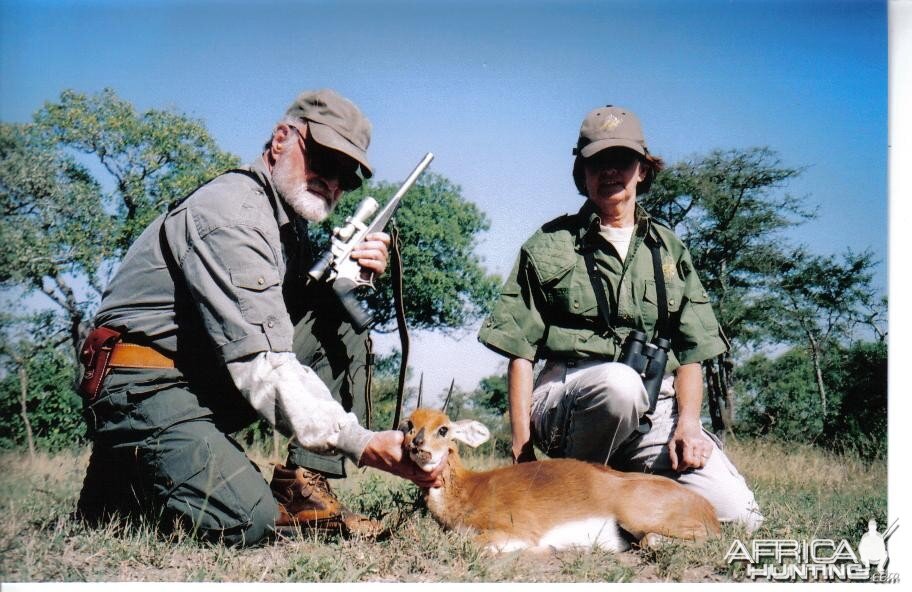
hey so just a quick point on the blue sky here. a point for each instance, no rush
(497, 91)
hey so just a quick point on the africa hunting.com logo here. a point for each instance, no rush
(818, 559)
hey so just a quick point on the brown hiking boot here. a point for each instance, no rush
(306, 502)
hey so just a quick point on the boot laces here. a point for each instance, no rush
(317, 482)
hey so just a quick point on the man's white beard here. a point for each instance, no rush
(309, 206)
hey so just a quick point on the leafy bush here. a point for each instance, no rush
(54, 408)
(859, 420)
(778, 397)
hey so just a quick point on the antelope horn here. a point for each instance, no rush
(447, 400)
(420, 390)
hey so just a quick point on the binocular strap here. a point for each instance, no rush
(661, 293)
(610, 319)
(601, 297)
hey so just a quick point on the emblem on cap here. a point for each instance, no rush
(611, 122)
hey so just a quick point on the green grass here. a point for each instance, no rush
(804, 493)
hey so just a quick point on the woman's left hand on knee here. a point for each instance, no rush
(689, 447)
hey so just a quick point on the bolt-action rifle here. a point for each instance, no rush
(336, 263)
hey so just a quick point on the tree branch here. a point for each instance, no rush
(50, 293)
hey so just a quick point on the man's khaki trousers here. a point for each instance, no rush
(162, 444)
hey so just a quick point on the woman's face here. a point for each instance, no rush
(612, 176)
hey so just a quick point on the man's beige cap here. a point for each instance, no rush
(335, 122)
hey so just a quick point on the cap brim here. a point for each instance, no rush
(327, 136)
(599, 145)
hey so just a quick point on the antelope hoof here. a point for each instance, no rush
(653, 540)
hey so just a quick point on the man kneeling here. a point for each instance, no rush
(211, 322)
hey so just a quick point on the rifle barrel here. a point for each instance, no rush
(387, 212)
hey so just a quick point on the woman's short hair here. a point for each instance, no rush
(652, 164)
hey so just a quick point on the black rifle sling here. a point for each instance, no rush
(368, 380)
(396, 279)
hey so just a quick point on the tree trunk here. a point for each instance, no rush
(714, 398)
(815, 356)
(65, 298)
(23, 402)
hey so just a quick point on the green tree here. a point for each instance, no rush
(859, 422)
(823, 299)
(444, 283)
(54, 227)
(493, 394)
(38, 406)
(777, 397)
(154, 158)
(78, 185)
(730, 207)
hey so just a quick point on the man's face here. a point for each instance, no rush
(307, 175)
(612, 176)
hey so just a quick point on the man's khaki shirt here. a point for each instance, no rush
(548, 309)
(233, 278)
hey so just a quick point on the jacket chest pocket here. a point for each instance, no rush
(674, 293)
(573, 295)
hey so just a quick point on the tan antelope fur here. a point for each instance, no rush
(557, 504)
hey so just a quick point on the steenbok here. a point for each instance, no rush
(555, 504)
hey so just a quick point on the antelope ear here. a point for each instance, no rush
(471, 432)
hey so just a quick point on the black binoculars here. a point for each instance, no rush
(649, 361)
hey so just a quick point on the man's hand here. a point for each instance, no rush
(689, 447)
(372, 255)
(384, 452)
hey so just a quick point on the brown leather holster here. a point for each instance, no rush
(95, 357)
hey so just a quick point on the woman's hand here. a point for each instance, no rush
(689, 447)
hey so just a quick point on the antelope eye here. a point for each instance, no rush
(442, 431)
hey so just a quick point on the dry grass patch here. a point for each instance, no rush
(803, 492)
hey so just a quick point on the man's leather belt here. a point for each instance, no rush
(103, 350)
(132, 355)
